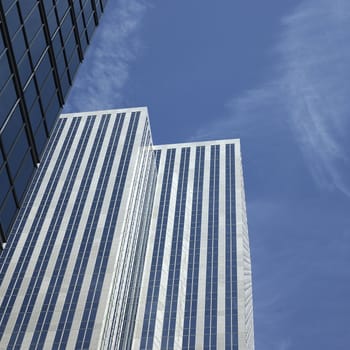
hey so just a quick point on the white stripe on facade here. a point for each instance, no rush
(180, 312)
(22, 240)
(112, 311)
(97, 238)
(203, 253)
(158, 332)
(220, 340)
(40, 240)
(148, 259)
(61, 237)
(123, 242)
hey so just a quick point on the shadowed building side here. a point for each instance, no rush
(42, 44)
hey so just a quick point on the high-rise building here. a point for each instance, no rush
(41, 46)
(122, 244)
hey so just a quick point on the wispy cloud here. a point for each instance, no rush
(309, 91)
(102, 77)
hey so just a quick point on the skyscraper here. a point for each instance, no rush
(122, 244)
(41, 46)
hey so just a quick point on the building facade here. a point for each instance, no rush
(196, 290)
(41, 46)
(121, 244)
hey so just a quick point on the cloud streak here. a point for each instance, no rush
(309, 91)
(102, 77)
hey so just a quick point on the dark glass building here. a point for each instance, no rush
(41, 46)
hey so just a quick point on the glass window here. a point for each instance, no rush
(25, 7)
(43, 69)
(60, 63)
(66, 26)
(2, 45)
(84, 41)
(61, 7)
(30, 93)
(6, 4)
(65, 85)
(33, 23)
(4, 69)
(70, 44)
(23, 176)
(35, 114)
(8, 210)
(77, 7)
(88, 9)
(52, 112)
(24, 69)
(90, 27)
(47, 91)
(40, 138)
(80, 23)
(5, 184)
(52, 22)
(8, 98)
(56, 43)
(19, 45)
(17, 153)
(38, 46)
(11, 129)
(48, 4)
(74, 63)
(13, 21)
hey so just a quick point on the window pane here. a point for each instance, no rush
(25, 7)
(11, 129)
(24, 68)
(23, 176)
(33, 23)
(43, 69)
(52, 22)
(4, 70)
(19, 45)
(8, 212)
(18, 151)
(35, 114)
(12, 20)
(52, 112)
(38, 46)
(8, 98)
(40, 138)
(30, 93)
(61, 6)
(5, 184)
(74, 63)
(47, 91)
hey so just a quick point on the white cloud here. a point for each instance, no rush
(316, 75)
(105, 71)
(309, 91)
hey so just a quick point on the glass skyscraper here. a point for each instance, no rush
(121, 244)
(41, 46)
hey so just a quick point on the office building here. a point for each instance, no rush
(41, 46)
(121, 244)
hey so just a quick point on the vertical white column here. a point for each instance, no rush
(180, 312)
(149, 253)
(221, 251)
(240, 251)
(203, 253)
(166, 255)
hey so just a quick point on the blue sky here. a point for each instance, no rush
(277, 75)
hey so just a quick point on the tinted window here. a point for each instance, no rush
(11, 129)
(4, 70)
(33, 23)
(8, 98)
